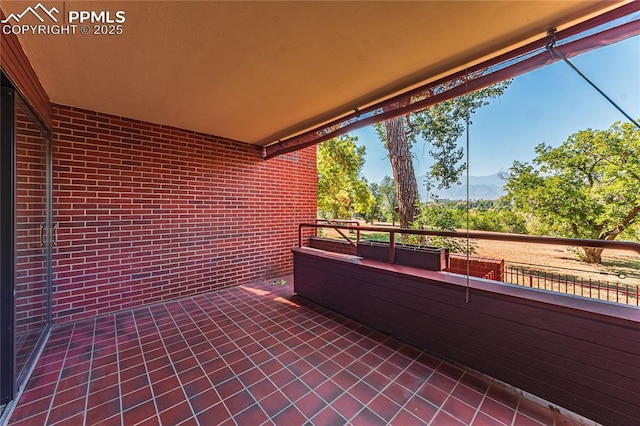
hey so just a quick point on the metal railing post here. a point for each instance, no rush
(392, 247)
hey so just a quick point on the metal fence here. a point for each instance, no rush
(596, 289)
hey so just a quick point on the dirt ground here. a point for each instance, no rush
(564, 260)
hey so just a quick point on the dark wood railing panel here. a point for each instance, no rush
(560, 350)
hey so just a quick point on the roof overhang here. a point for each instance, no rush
(258, 72)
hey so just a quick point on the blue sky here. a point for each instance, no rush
(545, 105)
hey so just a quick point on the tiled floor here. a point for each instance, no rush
(249, 356)
(26, 343)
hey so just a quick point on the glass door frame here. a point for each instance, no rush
(11, 381)
(7, 242)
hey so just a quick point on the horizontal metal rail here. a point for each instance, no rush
(478, 235)
(338, 222)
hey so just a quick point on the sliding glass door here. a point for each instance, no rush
(32, 238)
(25, 239)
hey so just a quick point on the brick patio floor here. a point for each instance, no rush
(254, 355)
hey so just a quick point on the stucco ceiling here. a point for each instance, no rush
(260, 71)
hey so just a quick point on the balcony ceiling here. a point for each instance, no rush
(260, 71)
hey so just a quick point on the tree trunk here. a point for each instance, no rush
(403, 174)
(592, 254)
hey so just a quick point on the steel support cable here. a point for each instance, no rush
(467, 145)
(556, 53)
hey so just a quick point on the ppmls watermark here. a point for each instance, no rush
(47, 22)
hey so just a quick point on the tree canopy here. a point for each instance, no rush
(389, 199)
(342, 190)
(440, 126)
(588, 187)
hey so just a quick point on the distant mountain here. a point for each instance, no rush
(480, 188)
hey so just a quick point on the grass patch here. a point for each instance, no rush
(382, 237)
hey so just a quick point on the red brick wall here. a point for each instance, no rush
(148, 213)
(482, 267)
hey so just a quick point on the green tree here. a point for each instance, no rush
(372, 209)
(342, 191)
(588, 187)
(365, 202)
(497, 220)
(497, 216)
(442, 217)
(441, 126)
(395, 136)
(389, 197)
